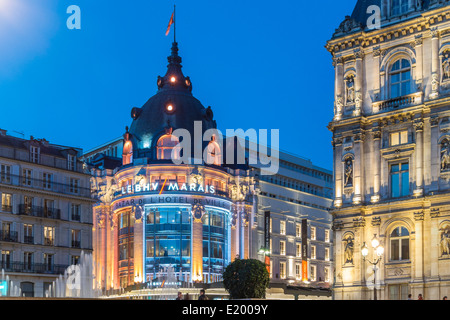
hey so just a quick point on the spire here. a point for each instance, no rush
(174, 78)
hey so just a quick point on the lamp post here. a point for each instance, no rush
(377, 254)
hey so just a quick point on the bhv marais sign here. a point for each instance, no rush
(193, 187)
(161, 199)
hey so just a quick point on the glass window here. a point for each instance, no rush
(313, 252)
(398, 138)
(298, 230)
(313, 273)
(327, 254)
(327, 235)
(34, 154)
(283, 227)
(298, 251)
(166, 145)
(282, 248)
(26, 177)
(283, 270)
(298, 271)
(6, 202)
(400, 78)
(47, 180)
(327, 274)
(49, 236)
(71, 162)
(5, 173)
(399, 7)
(313, 233)
(74, 185)
(399, 240)
(399, 180)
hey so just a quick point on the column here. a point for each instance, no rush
(418, 247)
(338, 174)
(419, 62)
(376, 159)
(435, 67)
(339, 87)
(138, 247)
(197, 249)
(358, 169)
(359, 55)
(418, 126)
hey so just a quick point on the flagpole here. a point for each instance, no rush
(174, 25)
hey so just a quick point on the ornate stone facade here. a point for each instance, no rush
(393, 180)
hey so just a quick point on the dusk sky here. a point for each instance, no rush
(258, 64)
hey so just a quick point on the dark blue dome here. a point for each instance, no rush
(173, 107)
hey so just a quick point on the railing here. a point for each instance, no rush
(28, 239)
(76, 244)
(40, 212)
(400, 102)
(45, 185)
(16, 266)
(9, 236)
(6, 208)
(75, 217)
(49, 241)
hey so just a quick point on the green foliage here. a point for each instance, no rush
(246, 279)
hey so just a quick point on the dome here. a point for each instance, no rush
(173, 107)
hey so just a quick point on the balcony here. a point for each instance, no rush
(46, 185)
(40, 212)
(49, 241)
(28, 239)
(8, 236)
(398, 103)
(76, 244)
(15, 266)
(6, 208)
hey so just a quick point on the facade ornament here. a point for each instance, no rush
(376, 221)
(347, 26)
(358, 103)
(338, 225)
(434, 213)
(198, 211)
(418, 125)
(445, 242)
(446, 65)
(434, 32)
(348, 249)
(434, 83)
(359, 222)
(348, 172)
(434, 121)
(137, 212)
(350, 88)
(100, 220)
(339, 103)
(359, 54)
(445, 155)
(376, 52)
(112, 222)
(419, 216)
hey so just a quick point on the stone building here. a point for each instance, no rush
(46, 213)
(391, 149)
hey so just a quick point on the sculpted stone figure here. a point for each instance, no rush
(445, 156)
(445, 242)
(446, 66)
(348, 250)
(348, 173)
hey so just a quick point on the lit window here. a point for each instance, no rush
(398, 138)
(327, 274)
(283, 270)
(313, 233)
(168, 148)
(282, 247)
(399, 180)
(298, 230)
(313, 252)
(313, 275)
(298, 251)
(400, 78)
(298, 271)
(327, 254)
(327, 235)
(127, 155)
(399, 244)
(283, 227)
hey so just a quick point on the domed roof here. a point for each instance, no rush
(173, 107)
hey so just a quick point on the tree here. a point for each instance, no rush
(244, 279)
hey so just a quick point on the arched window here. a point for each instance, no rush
(399, 7)
(213, 152)
(399, 244)
(127, 155)
(166, 144)
(400, 78)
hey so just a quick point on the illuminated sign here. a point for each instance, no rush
(304, 250)
(3, 288)
(164, 199)
(193, 187)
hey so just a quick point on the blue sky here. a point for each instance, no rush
(259, 64)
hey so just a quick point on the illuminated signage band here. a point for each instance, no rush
(172, 199)
(193, 187)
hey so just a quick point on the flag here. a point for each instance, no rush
(170, 24)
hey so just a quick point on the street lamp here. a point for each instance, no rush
(377, 254)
